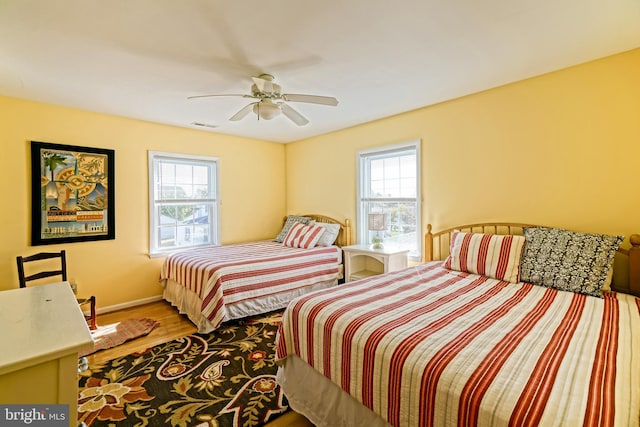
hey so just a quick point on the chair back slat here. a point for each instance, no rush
(60, 271)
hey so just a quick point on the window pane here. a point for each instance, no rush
(179, 219)
(392, 176)
(200, 234)
(167, 173)
(392, 188)
(168, 192)
(377, 189)
(185, 191)
(184, 174)
(407, 187)
(199, 214)
(402, 224)
(183, 235)
(391, 173)
(391, 168)
(167, 237)
(408, 166)
(168, 215)
(377, 169)
(200, 175)
(201, 192)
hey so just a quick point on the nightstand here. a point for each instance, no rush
(361, 261)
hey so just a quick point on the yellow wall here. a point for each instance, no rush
(118, 271)
(560, 149)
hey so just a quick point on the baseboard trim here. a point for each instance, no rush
(108, 309)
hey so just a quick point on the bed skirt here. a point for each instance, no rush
(325, 404)
(189, 303)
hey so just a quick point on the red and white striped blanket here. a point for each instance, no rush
(229, 274)
(427, 346)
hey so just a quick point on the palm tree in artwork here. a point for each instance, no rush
(52, 161)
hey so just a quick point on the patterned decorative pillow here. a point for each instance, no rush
(303, 236)
(568, 260)
(492, 255)
(291, 219)
(330, 233)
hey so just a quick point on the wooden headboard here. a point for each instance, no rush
(626, 266)
(344, 236)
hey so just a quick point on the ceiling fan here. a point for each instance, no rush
(271, 101)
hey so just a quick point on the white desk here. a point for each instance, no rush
(42, 329)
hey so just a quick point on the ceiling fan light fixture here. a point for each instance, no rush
(266, 109)
(270, 101)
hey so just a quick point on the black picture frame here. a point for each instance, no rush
(72, 194)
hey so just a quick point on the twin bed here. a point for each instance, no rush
(503, 324)
(500, 333)
(216, 284)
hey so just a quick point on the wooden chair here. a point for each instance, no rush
(62, 272)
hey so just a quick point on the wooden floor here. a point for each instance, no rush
(172, 325)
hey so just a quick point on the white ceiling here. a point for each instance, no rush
(143, 58)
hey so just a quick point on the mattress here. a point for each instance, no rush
(427, 346)
(212, 285)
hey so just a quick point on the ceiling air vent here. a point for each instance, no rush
(205, 125)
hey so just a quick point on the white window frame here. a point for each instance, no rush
(362, 232)
(154, 202)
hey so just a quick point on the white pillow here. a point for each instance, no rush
(330, 233)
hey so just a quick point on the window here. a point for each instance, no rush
(183, 197)
(389, 184)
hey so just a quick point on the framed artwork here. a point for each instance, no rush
(72, 193)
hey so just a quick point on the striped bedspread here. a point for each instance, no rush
(427, 346)
(233, 273)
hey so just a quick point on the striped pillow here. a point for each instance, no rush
(303, 236)
(291, 219)
(489, 255)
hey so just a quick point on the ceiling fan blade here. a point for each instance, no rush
(223, 94)
(312, 99)
(263, 85)
(243, 112)
(293, 115)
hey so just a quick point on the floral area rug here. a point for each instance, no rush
(225, 378)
